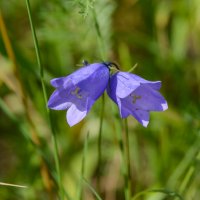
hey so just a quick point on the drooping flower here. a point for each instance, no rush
(77, 92)
(135, 96)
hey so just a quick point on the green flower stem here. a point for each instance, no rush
(125, 159)
(99, 35)
(56, 157)
(102, 49)
(127, 152)
(100, 141)
(80, 192)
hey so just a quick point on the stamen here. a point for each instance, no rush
(76, 92)
(135, 97)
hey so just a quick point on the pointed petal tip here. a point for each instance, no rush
(70, 123)
(74, 115)
(53, 82)
(145, 123)
(56, 82)
(164, 106)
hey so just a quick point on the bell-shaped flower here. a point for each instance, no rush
(77, 92)
(135, 96)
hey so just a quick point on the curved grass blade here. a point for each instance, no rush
(13, 185)
(92, 189)
(164, 191)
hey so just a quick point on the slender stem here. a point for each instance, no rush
(125, 169)
(100, 141)
(92, 189)
(35, 40)
(100, 37)
(83, 167)
(56, 157)
(102, 51)
(127, 152)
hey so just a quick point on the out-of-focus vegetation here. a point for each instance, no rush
(162, 37)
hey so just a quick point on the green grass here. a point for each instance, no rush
(38, 148)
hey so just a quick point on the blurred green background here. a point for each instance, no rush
(161, 36)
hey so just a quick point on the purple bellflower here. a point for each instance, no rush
(135, 96)
(77, 92)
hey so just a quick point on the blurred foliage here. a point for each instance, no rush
(162, 37)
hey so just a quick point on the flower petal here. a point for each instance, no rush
(156, 85)
(78, 91)
(57, 82)
(121, 85)
(136, 96)
(78, 111)
(58, 101)
(124, 112)
(86, 71)
(74, 115)
(96, 83)
(79, 75)
(142, 116)
(126, 109)
(145, 98)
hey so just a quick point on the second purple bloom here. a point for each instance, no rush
(135, 96)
